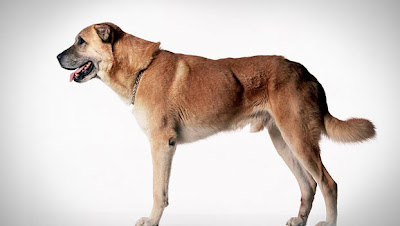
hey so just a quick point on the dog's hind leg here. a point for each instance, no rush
(300, 133)
(306, 183)
(297, 104)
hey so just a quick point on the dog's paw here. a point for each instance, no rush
(145, 221)
(296, 221)
(324, 223)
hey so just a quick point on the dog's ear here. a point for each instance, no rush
(105, 32)
(108, 32)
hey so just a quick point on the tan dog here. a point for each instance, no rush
(180, 98)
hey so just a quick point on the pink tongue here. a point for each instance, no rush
(71, 77)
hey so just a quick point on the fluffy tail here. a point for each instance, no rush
(351, 130)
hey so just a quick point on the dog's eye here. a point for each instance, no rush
(80, 40)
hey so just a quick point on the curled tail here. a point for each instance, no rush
(351, 130)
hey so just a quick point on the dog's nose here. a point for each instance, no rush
(59, 56)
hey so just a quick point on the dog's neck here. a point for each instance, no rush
(135, 86)
(132, 55)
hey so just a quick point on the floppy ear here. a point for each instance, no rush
(105, 32)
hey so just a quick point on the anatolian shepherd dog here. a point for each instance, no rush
(182, 98)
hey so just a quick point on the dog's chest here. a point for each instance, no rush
(186, 133)
(141, 118)
(193, 133)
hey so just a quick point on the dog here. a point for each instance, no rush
(181, 98)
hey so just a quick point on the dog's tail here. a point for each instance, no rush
(351, 130)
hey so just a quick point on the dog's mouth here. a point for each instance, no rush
(80, 73)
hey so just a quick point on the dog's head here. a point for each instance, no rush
(91, 55)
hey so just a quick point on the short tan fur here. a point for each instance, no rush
(183, 98)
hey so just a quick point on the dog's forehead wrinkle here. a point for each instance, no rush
(87, 33)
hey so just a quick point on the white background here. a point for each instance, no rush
(73, 154)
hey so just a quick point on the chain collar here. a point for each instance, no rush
(136, 86)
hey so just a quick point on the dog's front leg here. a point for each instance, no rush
(163, 150)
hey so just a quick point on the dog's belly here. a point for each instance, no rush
(258, 119)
